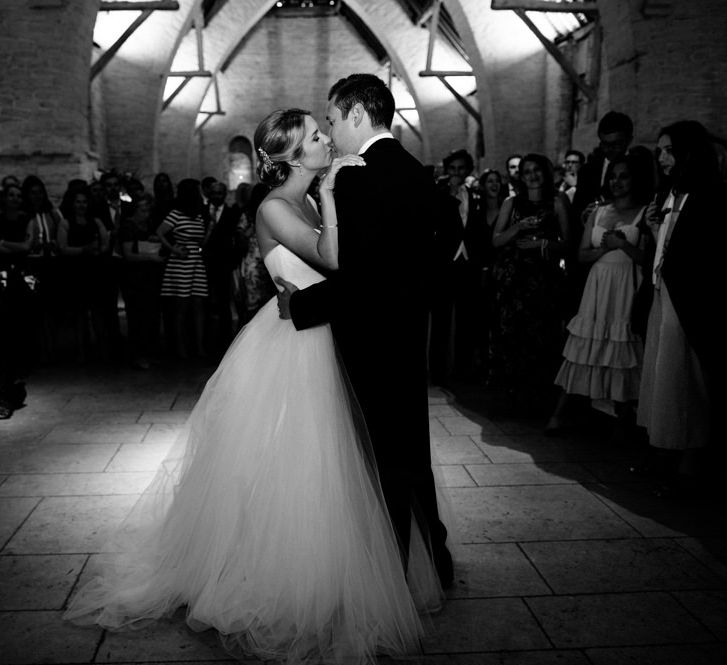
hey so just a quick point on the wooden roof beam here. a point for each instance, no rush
(576, 7)
(555, 52)
(163, 5)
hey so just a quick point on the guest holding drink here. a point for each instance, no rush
(532, 234)
(684, 355)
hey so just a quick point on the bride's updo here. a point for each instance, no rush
(278, 140)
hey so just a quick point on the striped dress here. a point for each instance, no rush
(185, 277)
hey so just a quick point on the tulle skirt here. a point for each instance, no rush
(266, 520)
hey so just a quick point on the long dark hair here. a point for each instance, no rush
(695, 158)
(30, 182)
(189, 197)
(502, 194)
(640, 164)
(546, 166)
(67, 206)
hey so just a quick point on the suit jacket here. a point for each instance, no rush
(589, 186)
(450, 232)
(377, 301)
(693, 271)
(223, 250)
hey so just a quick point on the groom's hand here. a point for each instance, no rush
(284, 297)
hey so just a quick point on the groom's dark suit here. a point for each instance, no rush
(376, 304)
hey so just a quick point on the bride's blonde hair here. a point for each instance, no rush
(278, 140)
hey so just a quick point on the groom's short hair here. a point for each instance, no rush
(369, 91)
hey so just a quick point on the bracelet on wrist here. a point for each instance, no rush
(329, 226)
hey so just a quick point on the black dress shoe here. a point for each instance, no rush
(445, 567)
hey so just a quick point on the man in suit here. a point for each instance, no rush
(377, 301)
(615, 133)
(222, 255)
(460, 245)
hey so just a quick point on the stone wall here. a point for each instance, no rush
(44, 87)
(660, 62)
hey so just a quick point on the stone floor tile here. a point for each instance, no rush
(179, 416)
(97, 433)
(113, 417)
(461, 425)
(182, 403)
(712, 552)
(710, 607)
(446, 475)
(612, 472)
(119, 402)
(688, 654)
(75, 484)
(134, 457)
(655, 517)
(624, 619)
(38, 582)
(600, 566)
(70, 524)
(56, 457)
(456, 450)
(436, 429)
(494, 569)
(547, 473)
(439, 395)
(484, 625)
(164, 640)
(554, 512)
(163, 433)
(520, 426)
(553, 657)
(549, 449)
(13, 511)
(442, 410)
(27, 638)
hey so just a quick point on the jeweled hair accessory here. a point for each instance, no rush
(265, 157)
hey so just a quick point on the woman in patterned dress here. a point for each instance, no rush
(184, 232)
(531, 233)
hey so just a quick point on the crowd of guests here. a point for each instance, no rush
(592, 281)
(118, 274)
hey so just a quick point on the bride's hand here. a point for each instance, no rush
(328, 181)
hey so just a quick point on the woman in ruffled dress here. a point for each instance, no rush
(602, 355)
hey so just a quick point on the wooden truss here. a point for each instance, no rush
(520, 7)
(146, 9)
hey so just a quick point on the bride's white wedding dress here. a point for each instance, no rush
(266, 519)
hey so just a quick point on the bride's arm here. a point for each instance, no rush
(328, 241)
(283, 225)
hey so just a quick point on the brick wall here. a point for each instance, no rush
(44, 60)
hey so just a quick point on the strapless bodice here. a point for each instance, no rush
(281, 262)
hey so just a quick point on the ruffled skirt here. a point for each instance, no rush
(266, 520)
(602, 356)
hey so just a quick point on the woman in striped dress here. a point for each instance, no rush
(184, 233)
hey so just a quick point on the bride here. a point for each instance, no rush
(266, 520)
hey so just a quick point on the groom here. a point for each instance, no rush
(376, 301)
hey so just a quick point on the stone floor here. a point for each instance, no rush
(561, 556)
